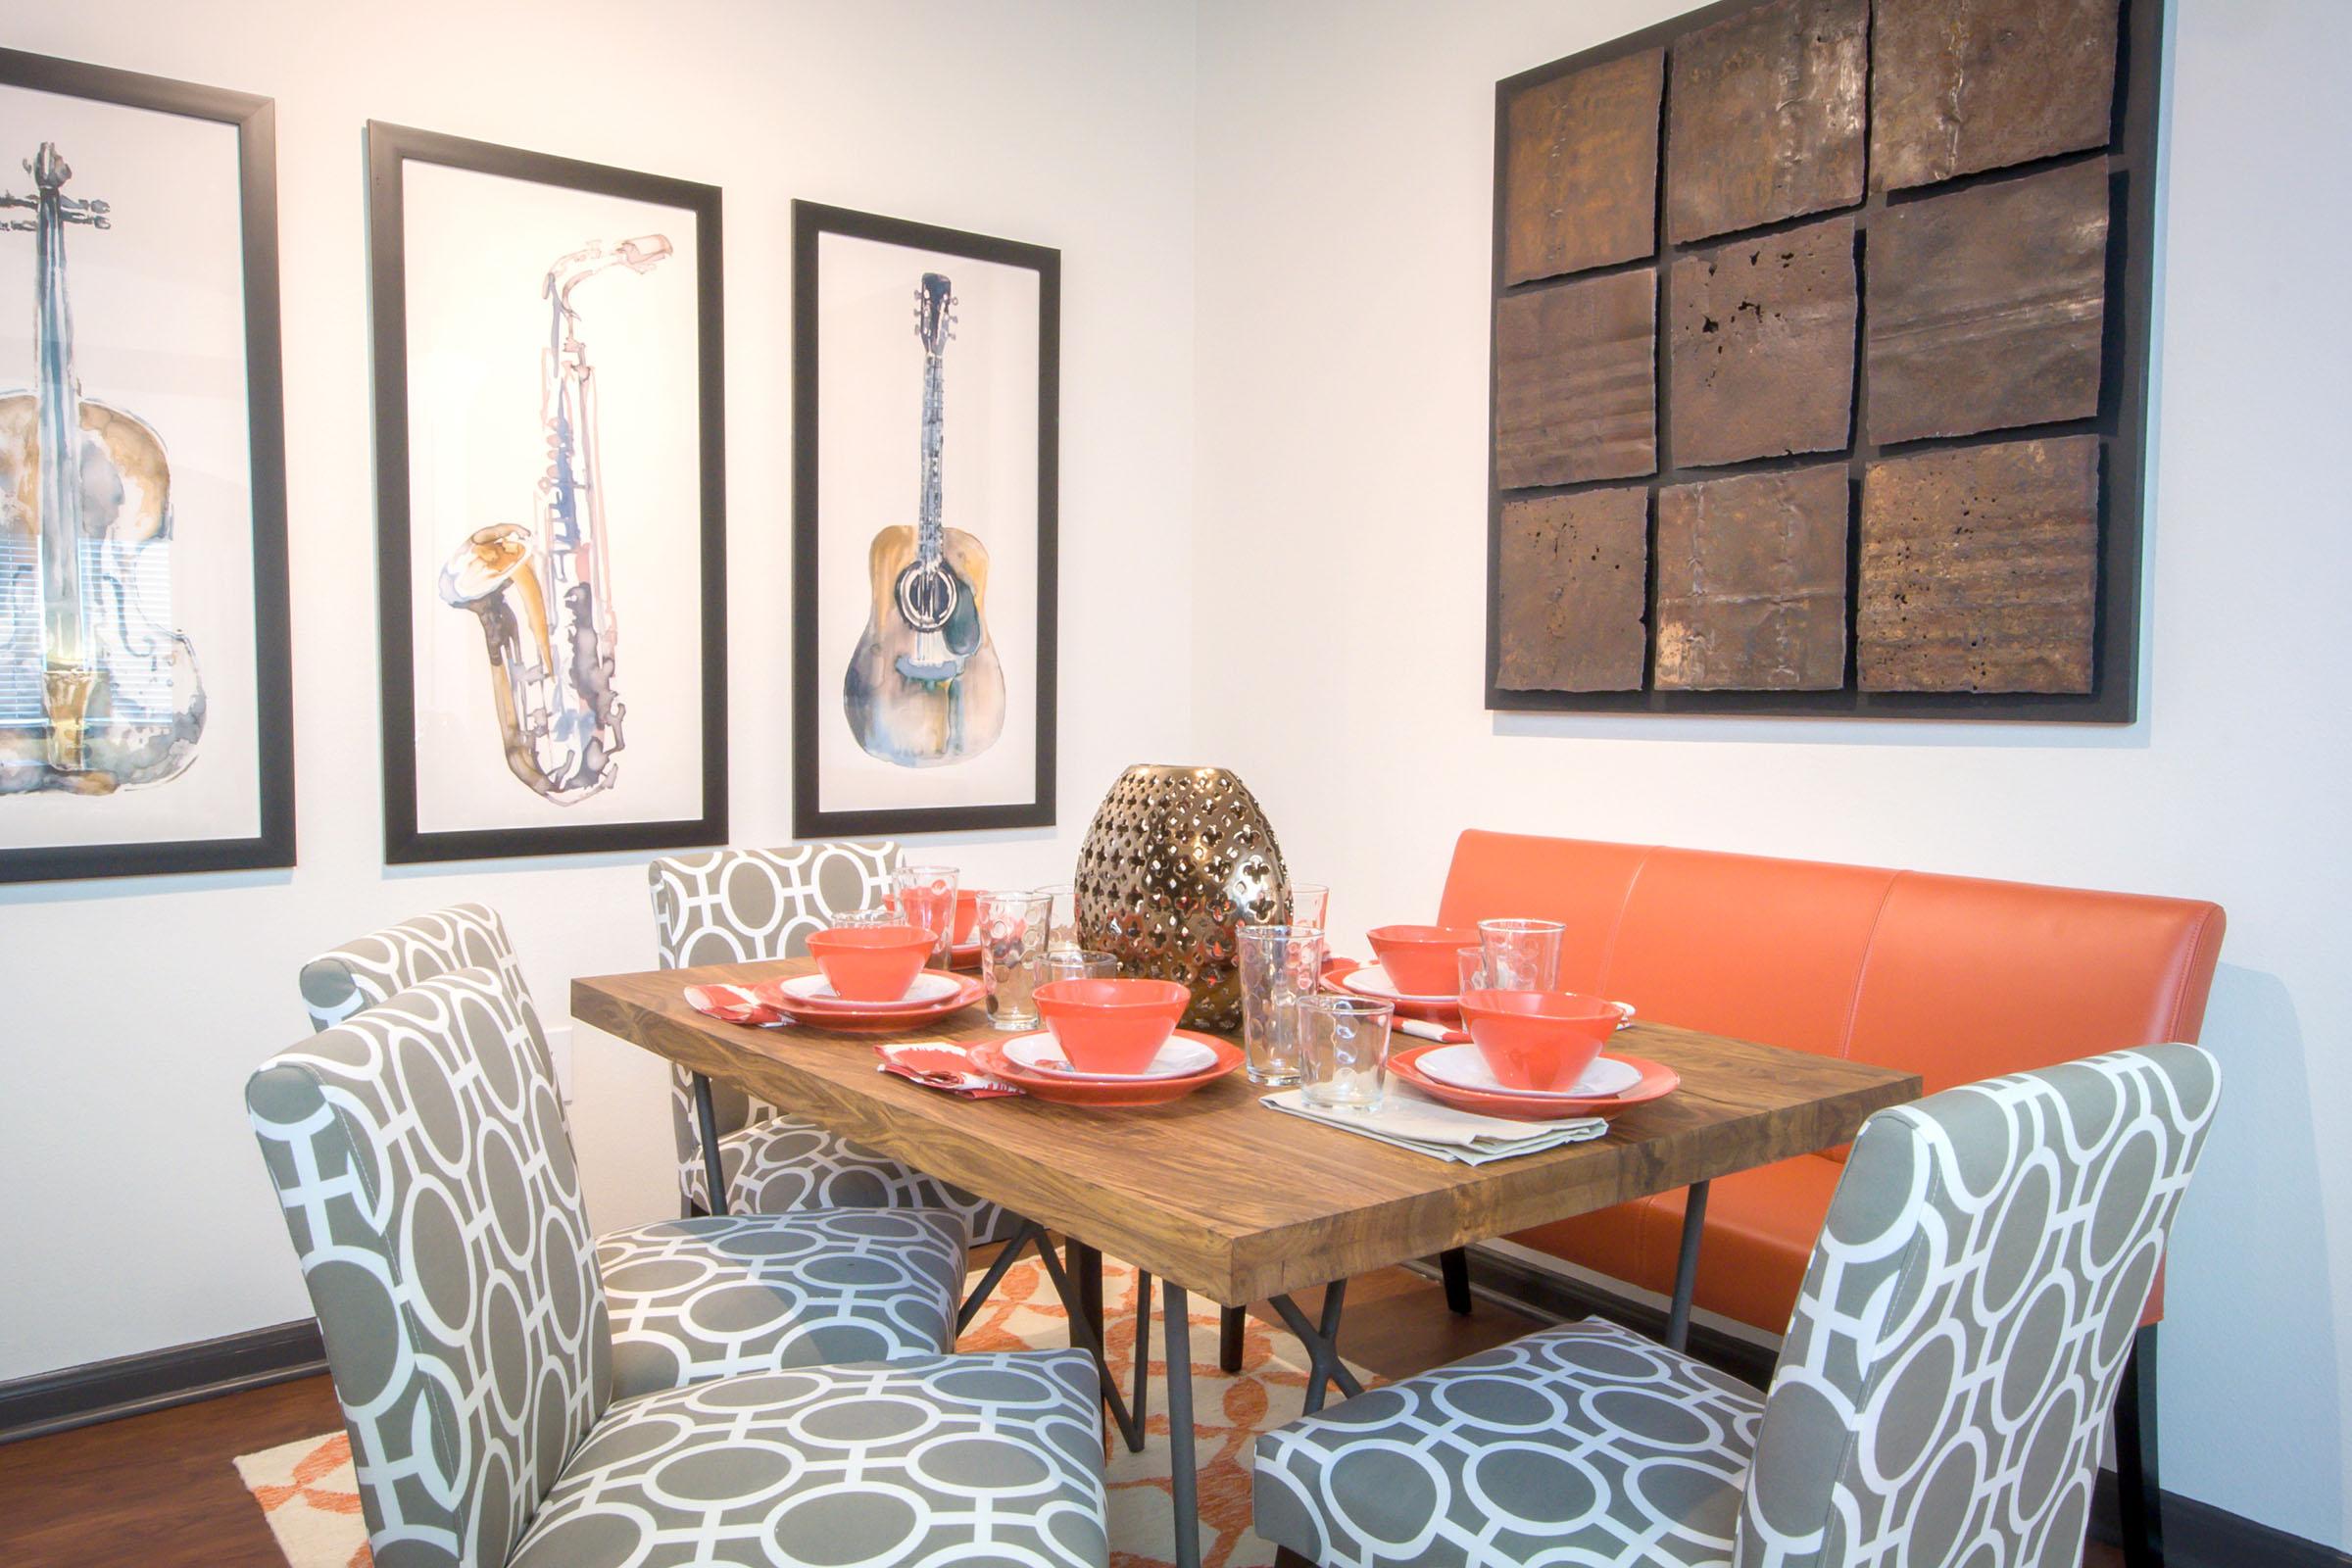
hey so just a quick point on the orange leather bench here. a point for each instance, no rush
(1955, 978)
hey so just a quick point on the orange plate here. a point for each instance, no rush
(1655, 1081)
(1063, 1091)
(869, 1016)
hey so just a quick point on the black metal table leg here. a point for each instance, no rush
(1143, 1347)
(1008, 1255)
(1454, 1265)
(1232, 1323)
(713, 1171)
(1086, 1265)
(1184, 1480)
(1322, 1343)
(1084, 1337)
(1685, 1266)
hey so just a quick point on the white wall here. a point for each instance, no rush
(136, 1215)
(1344, 172)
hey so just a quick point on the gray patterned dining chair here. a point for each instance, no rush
(1940, 1399)
(421, 1163)
(742, 907)
(696, 1299)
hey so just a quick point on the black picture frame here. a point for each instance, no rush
(2120, 424)
(811, 221)
(255, 118)
(389, 148)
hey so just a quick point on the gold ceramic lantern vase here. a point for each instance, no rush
(1176, 859)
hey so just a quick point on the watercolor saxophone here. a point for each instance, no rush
(545, 596)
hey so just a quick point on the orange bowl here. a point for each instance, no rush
(1111, 1025)
(1537, 1039)
(870, 962)
(1422, 961)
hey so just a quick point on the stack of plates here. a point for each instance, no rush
(810, 999)
(1037, 1063)
(1458, 1075)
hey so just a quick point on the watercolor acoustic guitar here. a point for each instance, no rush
(924, 687)
(98, 692)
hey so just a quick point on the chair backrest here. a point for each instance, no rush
(345, 981)
(1947, 1377)
(743, 906)
(420, 1158)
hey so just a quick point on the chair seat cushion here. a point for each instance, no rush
(697, 1299)
(1583, 1443)
(786, 1163)
(968, 1458)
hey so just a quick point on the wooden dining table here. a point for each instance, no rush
(1217, 1196)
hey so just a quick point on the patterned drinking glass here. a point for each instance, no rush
(1077, 964)
(1310, 905)
(1473, 966)
(1342, 1051)
(1011, 930)
(1280, 963)
(1521, 954)
(1062, 924)
(928, 898)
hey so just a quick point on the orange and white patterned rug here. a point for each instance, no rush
(307, 1490)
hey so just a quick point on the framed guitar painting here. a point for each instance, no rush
(146, 717)
(925, 390)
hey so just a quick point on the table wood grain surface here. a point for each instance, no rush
(1223, 1195)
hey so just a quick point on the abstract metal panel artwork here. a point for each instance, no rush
(1765, 117)
(1988, 306)
(1582, 181)
(145, 713)
(1576, 391)
(1751, 583)
(1984, 84)
(1980, 568)
(1762, 357)
(1832, 435)
(1571, 572)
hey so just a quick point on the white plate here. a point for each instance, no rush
(1373, 981)
(1041, 1052)
(1464, 1069)
(929, 986)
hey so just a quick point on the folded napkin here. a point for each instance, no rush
(1410, 1119)
(940, 1064)
(736, 1004)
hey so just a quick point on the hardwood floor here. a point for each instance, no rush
(161, 1490)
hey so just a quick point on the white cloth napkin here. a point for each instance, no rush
(1410, 1119)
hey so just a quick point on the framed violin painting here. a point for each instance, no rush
(926, 377)
(551, 502)
(145, 707)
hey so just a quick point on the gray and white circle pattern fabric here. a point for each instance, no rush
(342, 982)
(705, 1298)
(1583, 1443)
(1946, 1377)
(786, 1164)
(743, 906)
(420, 1158)
(993, 1458)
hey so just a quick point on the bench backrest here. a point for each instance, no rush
(1955, 978)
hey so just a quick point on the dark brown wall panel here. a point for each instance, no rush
(1572, 582)
(1980, 568)
(1576, 395)
(1761, 346)
(1964, 85)
(1751, 583)
(1580, 187)
(1988, 306)
(1765, 117)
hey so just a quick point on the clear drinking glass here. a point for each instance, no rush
(1342, 1051)
(1473, 963)
(1521, 954)
(1280, 963)
(1310, 904)
(928, 898)
(1011, 930)
(1062, 924)
(1077, 964)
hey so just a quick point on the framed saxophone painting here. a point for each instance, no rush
(551, 525)
(145, 713)
(926, 383)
